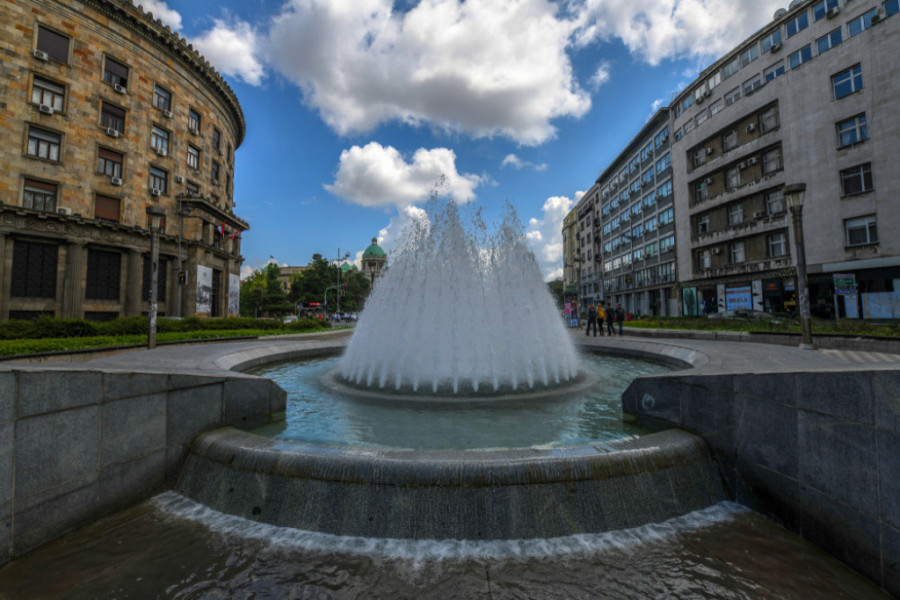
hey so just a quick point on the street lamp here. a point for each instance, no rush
(794, 194)
(156, 215)
(340, 260)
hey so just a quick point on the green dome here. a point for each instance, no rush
(374, 251)
(347, 267)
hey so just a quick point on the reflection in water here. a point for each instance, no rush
(318, 413)
(172, 548)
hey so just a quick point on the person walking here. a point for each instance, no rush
(610, 315)
(591, 320)
(620, 317)
(601, 316)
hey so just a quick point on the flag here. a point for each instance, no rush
(234, 233)
(221, 229)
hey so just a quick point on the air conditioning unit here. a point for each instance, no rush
(115, 180)
(167, 114)
(160, 151)
(717, 251)
(179, 179)
(709, 150)
(775, 47)
(47, 110)
(112, 132)
(759, 214)
(193, 130)
(41, 55)
(707, 94)
(707, 181)
(120, 89)
(833, 12)
(155, 192)
(700, 99)
(64, 211)
(877, 17)
(751, 128)
(742, 165)
(665, 139)
(752, 161)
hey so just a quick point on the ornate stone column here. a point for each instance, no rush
(135, 280)
(74, 278)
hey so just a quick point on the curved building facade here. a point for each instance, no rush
(106, 113)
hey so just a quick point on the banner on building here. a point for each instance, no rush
(204, 290)
(737, 298)
(234, 294)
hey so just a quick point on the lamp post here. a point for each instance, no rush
(794, 194)
(156, 214)
(339, 260)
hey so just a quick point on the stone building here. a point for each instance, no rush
(374, 261)
(107, 112)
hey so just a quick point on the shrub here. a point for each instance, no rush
(50, 327)
(125, 326)
(16, 329)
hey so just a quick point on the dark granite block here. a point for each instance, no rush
(707, 410)
(7, 433)
(889, 477)
(5, 532)
(766, 434)
(659, 397)
(45, 517)
(246, 401)
(886, 389)
(126, 484)
(844, 394)
(777, 388)
(851, 536)
(770, 493)
(838, 459)
(41, 465)
(50, 391)
(890, 552)
(7, 396)
(132, 428)
(127, 385)
(191, 411)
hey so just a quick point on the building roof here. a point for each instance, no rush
(374, 250)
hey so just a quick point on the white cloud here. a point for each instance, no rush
(376, 175)
(655, 30)
(600, 76)
(233, 49)
(161, 11)
(511, 160)
(544, 235)
(482, 67)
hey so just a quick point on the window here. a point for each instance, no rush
(847, 82)
(651, 250)
(162, 99)
(217, 140)
(215, 172)
(34, 267)
(193, 157)
(688, 127)
(48, 93)
(635, 164)
(801, 56)
(732, 178)
(158, 180)
(109, 163)
(650, 225)
(647, 152)
(716, 107)
(861, 231)
(852, 131)
(737, 252)
(104, 271)
(749, 55)
(861, 23)
(713, 81)
(752, 84)
(162, 223)
(54, 44)
(649, 200)
(797, 24)
(856, 180)
(770, 40)
(115, 72)
(194, 121)
(829, 41)
(647, 176)
(662, 164)
(666, 216)
(705, 260)
(820, 10)
(194, 189)
(638, 254)
(43, 144)
(730, 140)
(701, 117)
(774, 202)
(732, 96)
(735, 214)
(664, 191)
(662, 137)
(892, 7)
(106, 208)
(703, 224)
(112, 117)
(678, 134)
(701, 192)
(666, 244)
(637, 231)
(159, 140)
(39, 196)
(730, 69)
(771, 161)
(699, 156)
(768, 120)
(776, 70)
(777, 243)
(687, 102)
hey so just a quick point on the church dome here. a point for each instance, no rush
(374, 250)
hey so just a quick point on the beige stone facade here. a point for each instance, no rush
(106, 112)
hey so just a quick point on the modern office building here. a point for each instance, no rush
(108, 112)
(811, 98)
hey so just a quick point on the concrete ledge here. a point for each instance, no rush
(477, 494)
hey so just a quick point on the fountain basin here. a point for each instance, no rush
(448, 494)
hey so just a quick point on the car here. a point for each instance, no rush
(290, 319)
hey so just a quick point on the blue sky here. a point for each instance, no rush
(356, 108)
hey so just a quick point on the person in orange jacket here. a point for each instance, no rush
(601, 316)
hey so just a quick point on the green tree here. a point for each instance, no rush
(262, 296)
(557, 288)
(319, 275)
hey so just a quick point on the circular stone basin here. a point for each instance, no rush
(322, 409)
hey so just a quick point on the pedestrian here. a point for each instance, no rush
(610, 316)
(620, 317)
(591, 320)
(601, 316)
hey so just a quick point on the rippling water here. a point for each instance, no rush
(317, 413)
(172, 548)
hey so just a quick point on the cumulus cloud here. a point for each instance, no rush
(600, 76)
(654, 30)
(234, 49)
(482, 67)
(376, 175)
(161, 11)
(544, 235)
(511, 160)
